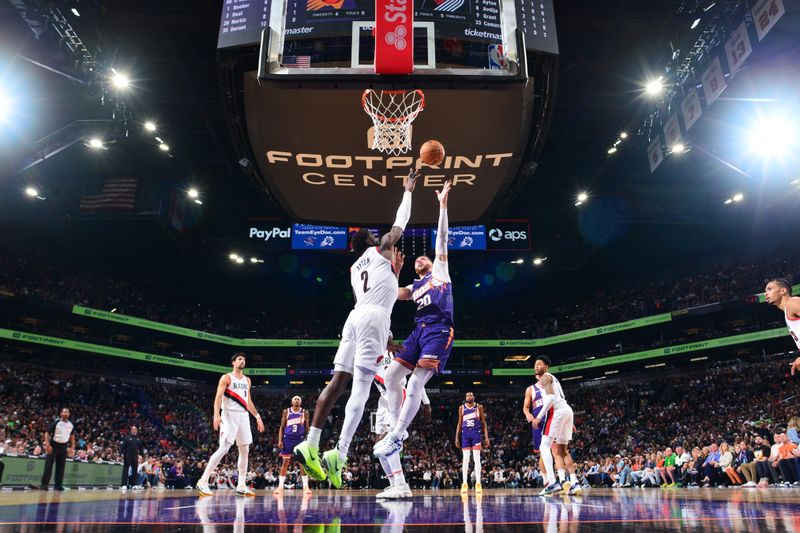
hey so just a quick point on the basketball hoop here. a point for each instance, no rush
(392, 113)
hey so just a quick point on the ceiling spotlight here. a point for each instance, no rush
(795, 182)
(253, 260)
(149, 126)
(695, 24)
(578, 203)
(164, 147)
(539, 260)
(612, 150)
(198, 201)
(193, 193)
(32, 192)
(233, 257)
(678, 148)
(240, 260)
(75, 12)
(729, 201)
(773, 137)
(95, 143)
(738, 197)
(517, 262)
(120, 81)
(582, 197)
(623, 135)
(654, 87)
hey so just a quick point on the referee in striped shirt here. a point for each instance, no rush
(56, 439)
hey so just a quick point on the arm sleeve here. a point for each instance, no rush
(425, 399)
(403, 212)
(440, 269)
(547, 402)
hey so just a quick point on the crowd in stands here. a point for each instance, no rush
(74, 285)
(732, 426)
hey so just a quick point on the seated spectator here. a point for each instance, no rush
(791, 430)
(669, 468)
(711, 471)
(726, 464)
(682, 460)
(788, 461)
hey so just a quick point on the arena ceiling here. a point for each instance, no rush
(635, 221)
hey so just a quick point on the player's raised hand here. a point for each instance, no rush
(796, 365)
(399, 259)
(392, 347)
(411, 180)
(442, 195)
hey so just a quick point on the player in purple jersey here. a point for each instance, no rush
(532, 406)
(426, 350)
(294, 426)
(471, 420)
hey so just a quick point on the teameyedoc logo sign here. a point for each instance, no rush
(309, 237)
(465, 238)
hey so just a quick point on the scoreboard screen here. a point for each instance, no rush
(474, 20)
(242, 22)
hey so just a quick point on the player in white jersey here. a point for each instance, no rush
(558, 428)
(365, 338)
(779, 294)
(233, 396)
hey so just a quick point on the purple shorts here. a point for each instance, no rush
(470, 442)
(288, 445)
(430, 341)
(537, 438)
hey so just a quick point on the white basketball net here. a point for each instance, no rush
(392, 113)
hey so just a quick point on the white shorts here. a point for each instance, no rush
(559, 425)
(235, 427)
(364, 338)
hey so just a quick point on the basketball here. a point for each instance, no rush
(432, 153)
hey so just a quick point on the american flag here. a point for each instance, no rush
(116, 194)
(297, 61)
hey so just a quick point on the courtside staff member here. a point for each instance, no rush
(56, 438)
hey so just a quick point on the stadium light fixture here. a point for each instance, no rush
(233, 257)
(198, 201)
(120, 80)
(729, 201)
(240, 260)
(571, 378)
(738, 197)
(150, 126)
(609, 372)
(656, 365)
(654, 87)
(193, 193)
(678, 148)
(75, 12)
(795, 182)
(253, 260)
(612, 150)
(32, 192)
(693, 359)
(95, 143)
(623, 135)
(477, 285)
(539, 260)
(695, 24)
(581, 199)
(517, 261)
(164, 147)
(772, 137)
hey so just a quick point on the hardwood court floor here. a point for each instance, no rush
(333, 511)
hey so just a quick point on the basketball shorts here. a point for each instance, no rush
(470, 441)
(427, 341)
(289, 442)
(559, 425)
(364, 338)
(235, 428)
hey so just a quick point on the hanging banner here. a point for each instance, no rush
(713, 81)
(394, 38)
(738, 48)
(654, 154)
(691, 108)
(766, 13)
(672, 132)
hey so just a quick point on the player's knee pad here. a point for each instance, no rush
(466, 455)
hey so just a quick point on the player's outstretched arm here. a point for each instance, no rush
(440, 269)
(403, 215)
